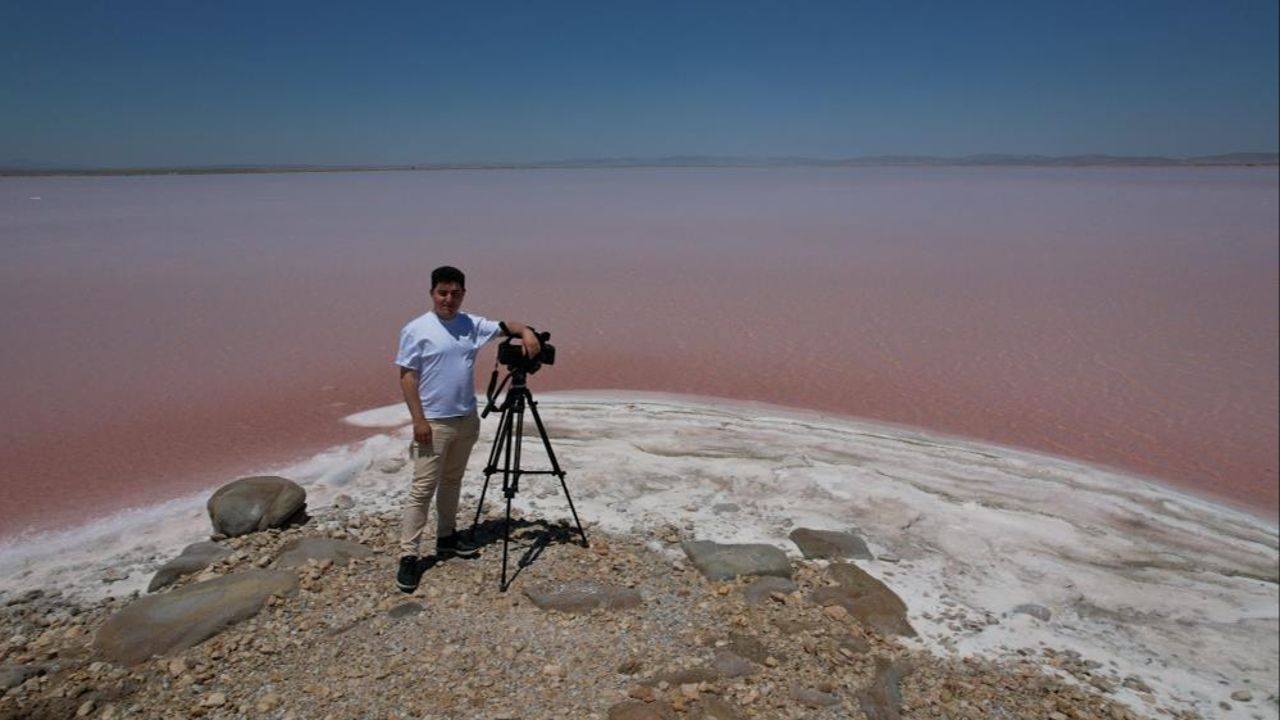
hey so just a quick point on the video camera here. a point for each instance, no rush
(511, 354)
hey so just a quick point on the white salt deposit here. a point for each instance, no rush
(1175, 590)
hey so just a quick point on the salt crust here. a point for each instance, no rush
(1176, 589)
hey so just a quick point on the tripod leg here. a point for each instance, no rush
(491, 467)
(510, 474)
(555, 467)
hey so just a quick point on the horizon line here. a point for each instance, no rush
(23, 168)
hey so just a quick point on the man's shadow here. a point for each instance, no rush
(528, 538)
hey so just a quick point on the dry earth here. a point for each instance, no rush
(347, 644)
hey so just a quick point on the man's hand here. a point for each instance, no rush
(422, 434)
(532, 346)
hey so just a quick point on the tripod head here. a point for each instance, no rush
(519, 367)
(517, 377)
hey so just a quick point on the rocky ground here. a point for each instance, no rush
(346, 644)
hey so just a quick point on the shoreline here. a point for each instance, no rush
(391, 417)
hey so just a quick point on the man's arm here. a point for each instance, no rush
(409, 387)
(532, 346)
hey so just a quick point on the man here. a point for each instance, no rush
(437, 359)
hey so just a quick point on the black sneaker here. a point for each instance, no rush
(408, 575)
(455, 546)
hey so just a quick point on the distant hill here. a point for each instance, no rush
(26, 168)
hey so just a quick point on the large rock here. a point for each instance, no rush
(829, 544)
(580, 596)
(174, 621)
(340, 552)
(725, 562)
(868, 600)
(256, 503)
(193, 558)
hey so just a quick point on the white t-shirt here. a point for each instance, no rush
(444, 356)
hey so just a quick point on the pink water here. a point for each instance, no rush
(163, 334)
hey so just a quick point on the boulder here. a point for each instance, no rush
(580, 596)
(298, 552)
(829, 544)
(174, 621)
(193, 558)
(868, 600)
(760, 590)
(256, 503)
(725, 562)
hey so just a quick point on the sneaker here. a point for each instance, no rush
(408, 575)
(455, 546)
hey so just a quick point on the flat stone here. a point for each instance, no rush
(709, 707)
(748, 647)
(256, 503)
(814, 698)
(11, 676)
(760, 590)
(298, 552)
(829, 544)
(1038, 612)
(404, 610)
(193, 558)
(882, 699)
(853, 644)
(729, 664)
(174, 621)
(637, 710)
(692, 676)
(580, 596)
(718, 562)
(721, 508)
(868, 600)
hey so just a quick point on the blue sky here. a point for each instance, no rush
(226, 82)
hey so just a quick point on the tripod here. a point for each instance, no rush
(506, 450)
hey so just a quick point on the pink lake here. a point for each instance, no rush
(164, 334)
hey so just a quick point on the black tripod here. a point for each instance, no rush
(506, 449)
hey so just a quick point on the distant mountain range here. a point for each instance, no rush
(25, 167)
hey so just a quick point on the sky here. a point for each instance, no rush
(131, 84)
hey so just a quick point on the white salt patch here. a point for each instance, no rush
(1174, 589)
(389, 416)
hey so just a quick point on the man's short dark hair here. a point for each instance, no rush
(448, 274)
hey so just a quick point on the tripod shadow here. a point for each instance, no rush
(529, 536)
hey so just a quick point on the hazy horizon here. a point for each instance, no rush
(976, 160)
(162, 84)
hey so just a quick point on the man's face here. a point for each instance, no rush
(446, 298)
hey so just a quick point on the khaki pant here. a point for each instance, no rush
(438, 471)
